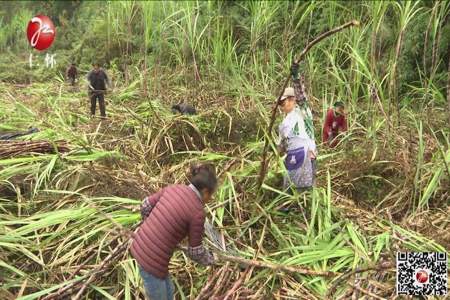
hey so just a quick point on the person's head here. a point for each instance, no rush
(72, 64)
(287, 101)
(203, 177)
(96, 66)
(339, 107)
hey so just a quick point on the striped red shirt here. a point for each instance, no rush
(177, 212)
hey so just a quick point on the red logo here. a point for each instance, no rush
(422, 276)
(41, 32)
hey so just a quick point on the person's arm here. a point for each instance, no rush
(283, 131)
(327, 132)
(108, 82)
(298, 83)
(312, 149)
(196, 251)
(148, 204)
(344, 123)
(89, 81)
(68, 71)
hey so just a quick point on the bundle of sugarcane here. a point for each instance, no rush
(20, 148)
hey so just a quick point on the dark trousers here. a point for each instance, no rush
(101, 102)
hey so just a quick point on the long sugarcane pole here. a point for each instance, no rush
(263, 169)
(275, 267)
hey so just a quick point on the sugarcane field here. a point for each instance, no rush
(224, 150)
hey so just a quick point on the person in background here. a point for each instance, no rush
(71, 73)
(98, 80)
(184, 109)
(335, 123)
(14, 135)
(170, 215)
(296, 133)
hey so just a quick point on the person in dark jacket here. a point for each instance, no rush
(11, 136)
(335, 123)
(170, 215)
(71, 73)
(98, 80)
(184, 109)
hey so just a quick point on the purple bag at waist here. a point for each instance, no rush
(294, 159)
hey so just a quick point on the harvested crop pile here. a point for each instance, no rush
(21, 148)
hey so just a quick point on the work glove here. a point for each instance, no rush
(146, 208)
(294, 70)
